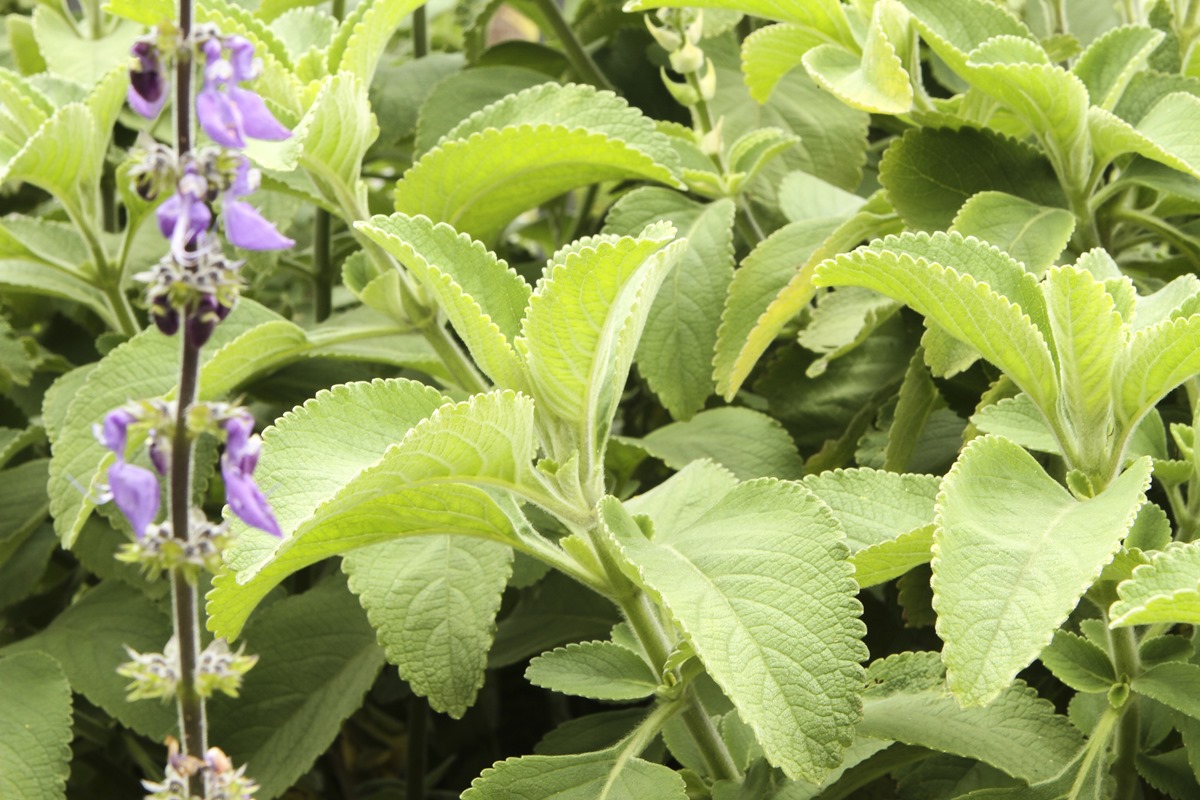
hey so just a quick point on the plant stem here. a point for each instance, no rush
(420, 33)
(322, 265)
(339, 9)
(581, 60)
(1123, 648)
(415, 749)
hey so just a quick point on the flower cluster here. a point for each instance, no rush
(195, 283)
(156, 675)
(135, 489)
(221, 780)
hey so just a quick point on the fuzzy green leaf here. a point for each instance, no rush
(1159, 137)
(317, 659)
(1079, 663)
(1032, 234)
(754, 574)
(874, 80)
(1165, 590)
(826, 16)
(591, 776)
(599, 670)
(483, 298)
(906, 701)
(953, 28)
(1110, 62)
(35, 728)
(147, 12)
(1012, 554)
(748, 443)
(371, 30)
(331, 141)
(1174, 684)
(1157, 359)
(676, 350)
(773, 51)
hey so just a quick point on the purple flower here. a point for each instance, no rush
(203, 320)
(228, 113)
(113, 432)
(147, 81)
(237, 466)
(244, 226)
(185, 215)
(135, 491)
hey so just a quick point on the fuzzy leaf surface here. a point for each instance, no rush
(590, 776)
(599, 670)
(35, 728)
(1165, 590)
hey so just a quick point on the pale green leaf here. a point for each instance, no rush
(1165, 590)
(584, 323)
(428, 484)
(1157, 359)
(755, 577)
(1174, 684)
(24, 107)
(88, 640)
(842, 321)
(331, 140)
(483, 298)
(748, 443)
(1032, 234)
(773, 51)
(1012, 554)
(1019, 733)
(1079, 662)
(676, 350)
(1110, 62)
(807, 197)
(1161, 136)
(599, 670)
(147, 12)
(873, 81)
(82, 59)
(826, 16)
(592, 776)
(303, 29)
(953, 28)
(146, 366)
(930, 173)
(372, 29)
(35, 728)
(465, 92)
(317, 658)
(919, 413)
(969, 310)
(1018, 419)
(433, 601)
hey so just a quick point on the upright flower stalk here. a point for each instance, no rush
(189, 292)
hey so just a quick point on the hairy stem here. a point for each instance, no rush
(1123, 648)
(322, 265)
(581, 60)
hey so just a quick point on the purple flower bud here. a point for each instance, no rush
(135, 491)
(113, 433)
(160, 452)
(247, 229)
(246, 500)
(241, 52)
(165, 317)
(203, 320)
(147, 81)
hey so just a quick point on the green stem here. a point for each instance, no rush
(1123, 649)
(322, 265)
(339, 9)
(1087, 235)
(420, 33)
(581, 61)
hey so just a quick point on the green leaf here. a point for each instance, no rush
(842, 321)
(1160, 136)
(748, 443)
(330, 142)
(1157, 359)
(1032, 234)
(484, 299)
(1079, 663)
(967, 308)
(599, 670)
(583, 325)
(1175, 684)
(807, 197)
(528, 148)
(592, 776)
(1018, 419)
(427, 484)
(931, 173)
(88, 640)
(887, 517)
(826, 16)
(83, 60)
(906, 701)
(433, 601)
(676, 350)
(147, 12)
(463, 93)
(873, 81)
(554, 611)
(145, 366)
(754, 574)
(1165, 590)
(35, 728)
(372, 29)
(773, 51)
(1012, 554)
(1110, 62)
(953, 28)
(317, 658)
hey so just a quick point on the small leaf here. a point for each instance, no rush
(748, 443)
(1079, 663)
(1111, 61)
(372, 28)
(747, 576)
(1034, 235)
(773, 51)
(1157, 359)
(1018, 419)
(1173, 684)
(953, 28)
(599, 670)
(35, 728)
(591, 776)
(331, 140)
(874, 81)
(1012, 554)
(1165, 590)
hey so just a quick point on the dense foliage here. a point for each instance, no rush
(730, 399)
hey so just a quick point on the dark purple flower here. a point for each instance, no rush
(113, 432)
(203, 320)
(135, 491)
(160, 452)
(228, 113)
(165, 316)
(147, 81)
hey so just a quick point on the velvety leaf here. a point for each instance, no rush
(873, 81)
(147, 12)
(773, 51)
(906, 701)
(591, 776)
(1158, 137)
(1175, 684)
(758, 606)
(1079, 663)
(748, 443)
(1034, 235)
(599, 670)
(1165, 590)
(35, 728)
(330, 142)
(82, 59)
(1010, 537)
(953, 28)
(1157, 359)
(464, 93)
(372, 29)
(826, 16)
(1018, 419)
(1110, 62)
(317, 658)
(676, 350)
